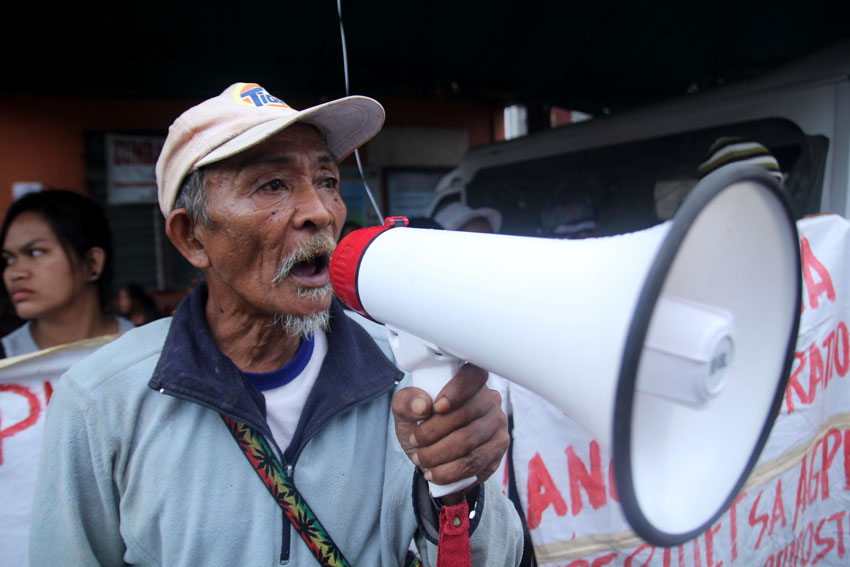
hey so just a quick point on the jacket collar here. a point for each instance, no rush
(192, 367)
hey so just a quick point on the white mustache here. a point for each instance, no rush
(306, 250)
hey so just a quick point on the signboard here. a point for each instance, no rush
(130, 168)
(410, 191)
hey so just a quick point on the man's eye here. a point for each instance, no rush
(274, 185)
(330, 182)
(36, 252)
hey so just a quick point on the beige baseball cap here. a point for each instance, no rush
(244, 115)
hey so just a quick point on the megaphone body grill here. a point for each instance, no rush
(569, 319)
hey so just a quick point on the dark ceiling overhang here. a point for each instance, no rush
(596, 56)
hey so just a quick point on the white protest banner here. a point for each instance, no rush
(130, 168)
(795, 507)
(26, 384)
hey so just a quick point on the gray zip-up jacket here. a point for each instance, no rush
(139, 468)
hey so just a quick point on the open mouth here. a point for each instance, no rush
(313, 266)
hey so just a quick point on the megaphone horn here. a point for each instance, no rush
(671, 345)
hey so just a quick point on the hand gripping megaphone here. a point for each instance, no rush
(671, 345)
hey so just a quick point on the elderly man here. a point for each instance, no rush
(258, 425)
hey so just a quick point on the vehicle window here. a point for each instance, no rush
(636, 185)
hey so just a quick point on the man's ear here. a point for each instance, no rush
(95, 259)
(187, 238)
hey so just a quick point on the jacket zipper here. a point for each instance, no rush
(289, 468)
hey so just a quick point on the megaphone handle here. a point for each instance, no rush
(432, 379)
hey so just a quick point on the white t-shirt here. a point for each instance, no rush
(287, 388)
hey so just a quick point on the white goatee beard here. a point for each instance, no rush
(303, 326)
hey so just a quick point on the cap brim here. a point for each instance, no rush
(346, 123)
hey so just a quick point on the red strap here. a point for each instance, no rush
(453, 548)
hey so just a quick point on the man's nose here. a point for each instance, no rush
(312, 209)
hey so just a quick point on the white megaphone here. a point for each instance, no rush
(671, 345)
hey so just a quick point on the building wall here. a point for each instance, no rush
(58, 142)
(42, 138)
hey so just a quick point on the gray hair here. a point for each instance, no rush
(192, 197)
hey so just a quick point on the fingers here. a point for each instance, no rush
(466, 383)
(480, 464)
(462, 434)
(468, 442)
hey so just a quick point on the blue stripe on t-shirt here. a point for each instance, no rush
(281, 376)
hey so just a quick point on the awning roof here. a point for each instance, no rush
(596, 56)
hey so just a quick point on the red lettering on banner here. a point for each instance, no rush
(842, 347)
(801, 493)
(48, 392)
(828, 543)
(816, 372)
(697, 559)
(830, 355)
(838, 518)
(31, 419)
(579, 563)
(808, 532)
(823, 366)
(762, 519)
(810, 262)
(733, 521)
(828, 456)
(778, 508)
(633, 557)
(709, 546)
(794, 383)
(814, 477)
(847, 459)
(603, 560)
(592, 481)
(668, 552)
(542, 492)
(801, 546)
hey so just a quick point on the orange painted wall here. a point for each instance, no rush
(42, 138)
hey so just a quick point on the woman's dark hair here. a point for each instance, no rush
(78, 223)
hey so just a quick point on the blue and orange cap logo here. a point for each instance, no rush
(253, 94)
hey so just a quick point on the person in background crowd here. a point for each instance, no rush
(458, 216)
(260, 425)
(134, 303)
(736, 149)
(57, 271)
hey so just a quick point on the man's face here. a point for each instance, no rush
(264, 204)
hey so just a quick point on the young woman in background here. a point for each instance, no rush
(57, 271)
